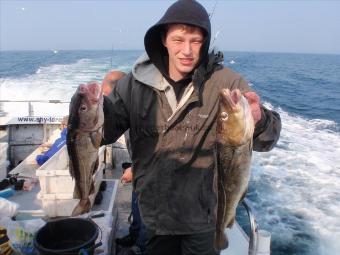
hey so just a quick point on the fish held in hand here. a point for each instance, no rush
(234, 135)
(84, 135)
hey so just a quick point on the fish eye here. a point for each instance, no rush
(224, 116)
(83, 108)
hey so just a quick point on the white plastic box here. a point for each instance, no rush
(54, 175)
(57, 185)
(3, 160)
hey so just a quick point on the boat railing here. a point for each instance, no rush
(30, 104)
(253, 226)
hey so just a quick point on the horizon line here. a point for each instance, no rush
(241, 51)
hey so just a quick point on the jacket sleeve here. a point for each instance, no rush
(267, 130)
(116, 111)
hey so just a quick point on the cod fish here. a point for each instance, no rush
(234, 133)
(84, 135)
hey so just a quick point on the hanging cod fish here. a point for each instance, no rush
(84, 135)
(235, 128)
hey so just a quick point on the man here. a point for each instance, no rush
(170, 103)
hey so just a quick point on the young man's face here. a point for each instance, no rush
(183, 43)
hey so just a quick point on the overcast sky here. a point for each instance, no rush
(267, 26)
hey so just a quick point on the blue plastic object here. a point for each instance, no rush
(60, 142)
(7, 193)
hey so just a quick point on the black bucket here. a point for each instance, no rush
(67, 236)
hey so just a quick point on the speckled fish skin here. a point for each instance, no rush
(235, 128)
(86, 118)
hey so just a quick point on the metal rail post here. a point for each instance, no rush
(253, 226)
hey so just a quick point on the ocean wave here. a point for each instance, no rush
(57, 81)
(296, 186)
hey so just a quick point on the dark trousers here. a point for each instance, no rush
(137, 227)
(194, 244)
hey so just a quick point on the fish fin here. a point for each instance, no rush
(77, 210)
(96, 138)
(73, 161)
(95, 166)
(92, 187)
(71, 168)
(82, 207)
(231, 223)
(244, 195)
(76, 192)
(87, 206)
(77, 187)
(221, 241)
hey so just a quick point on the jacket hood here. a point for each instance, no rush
(146, 72)
(181, 12)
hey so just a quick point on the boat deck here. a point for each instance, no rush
(116, 202)
(124, 190)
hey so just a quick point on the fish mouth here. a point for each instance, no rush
(92, 92)
(229, 99)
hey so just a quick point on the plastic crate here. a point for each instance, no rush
(57, 185)
(54, 175)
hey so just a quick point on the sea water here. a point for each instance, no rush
(294, 189)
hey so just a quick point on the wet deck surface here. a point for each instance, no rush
(123, 202)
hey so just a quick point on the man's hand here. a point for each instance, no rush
(127, 176)
(254, 102)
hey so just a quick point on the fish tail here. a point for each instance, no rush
(83, 206)
(221, 241)
(87, 205)
(77, 210)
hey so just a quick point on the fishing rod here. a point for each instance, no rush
(210, 17)
(111, 58)
(215, 38)
(112, 51)
(213, 11)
